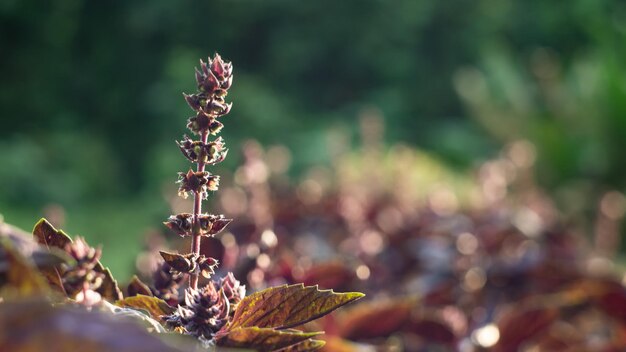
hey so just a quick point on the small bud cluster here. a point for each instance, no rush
(81, 280)
(214, 79)
(207, 309)
(233, 290)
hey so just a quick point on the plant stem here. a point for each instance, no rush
(197, 209)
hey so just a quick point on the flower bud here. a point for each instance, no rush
(193, 101)
(204, 313)
(233, 289)
(217, 66)
(82, 276)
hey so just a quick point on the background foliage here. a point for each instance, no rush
(90, 93)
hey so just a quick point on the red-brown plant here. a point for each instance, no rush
(216, 312)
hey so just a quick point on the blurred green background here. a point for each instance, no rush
(90, 93)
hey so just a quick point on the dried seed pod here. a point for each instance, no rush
(200, 122)
(190, 263)
(208, 153)
(197, 182)
(180, 263)
(180, 223)
(215, 127)
(212, 224)
(82, 276)
(207, 266)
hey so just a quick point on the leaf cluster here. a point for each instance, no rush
(263, 321)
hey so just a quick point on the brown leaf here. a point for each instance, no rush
(608, 295)
(21, 277)
(613, 303)
(47, 235)
(518, 327)
(263, 339)
(37, 326)
(137, 287)
(309, 345)
(109, 289)
(375, 319)
(177, 261)
(26, 244)
(337, 344)
(54, 278)
(154, 306)
(288, 306)
(51, 238)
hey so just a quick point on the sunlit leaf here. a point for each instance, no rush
(156, 307)
(43, 257)
(51, 238)
(309, 345)
(109, 289)
(288, 306)
(263, 339)
(47, 235)
(337, 344)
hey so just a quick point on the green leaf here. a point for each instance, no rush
(154, 306)
(309, 345)
(288, 306)
(47, 235)
(263, 339)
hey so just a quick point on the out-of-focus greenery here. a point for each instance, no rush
(90, 91)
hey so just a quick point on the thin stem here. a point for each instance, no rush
(197, 209)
